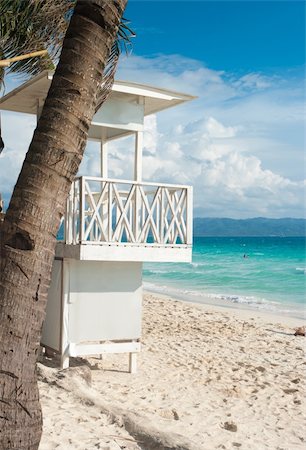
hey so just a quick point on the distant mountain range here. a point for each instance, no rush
(258, 226)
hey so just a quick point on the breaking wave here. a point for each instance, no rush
(251, 302)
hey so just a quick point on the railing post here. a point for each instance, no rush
(68, 237)
(74, 212)
(138, 156)
(162, 215)
(66, 221)
(137, 213)
(157, 216)
(189, 218)
(110, 212)
(82, 209)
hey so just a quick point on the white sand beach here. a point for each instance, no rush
(208, 378)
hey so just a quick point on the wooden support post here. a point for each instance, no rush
(138, 156)
(64, 315)
(104, 174)
(82, 209)
(104, 165)
(69, 219)
(132, 362)
(137, 177)
(64, 361)
(189, 218)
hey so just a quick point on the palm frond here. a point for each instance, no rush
(30, 25)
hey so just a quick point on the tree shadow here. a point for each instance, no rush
(280, 332)
(53, 360)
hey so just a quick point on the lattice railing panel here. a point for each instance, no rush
(116, 211)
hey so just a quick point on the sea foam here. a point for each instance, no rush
(202, 297)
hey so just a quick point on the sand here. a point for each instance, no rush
(208, 378)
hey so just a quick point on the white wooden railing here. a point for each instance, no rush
(106, 211)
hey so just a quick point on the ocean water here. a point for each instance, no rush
(267, 273)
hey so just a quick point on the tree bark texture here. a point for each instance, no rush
(37, 205)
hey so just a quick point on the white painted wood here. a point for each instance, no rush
(149, 222)
(129, 212)
(110, 212)
(142, 183)
(175, 204)
(125, 252)
(138, 156)
(121, 112)
(64, 322)
(142, 90)
(113, 131)
(104, 158)
(121, 115)
(82, 208)
(86, 349)
(64, 361)
(189, 221)
(133, 362)
(104, 301)
(68, 236)
(122, 210)
(96, 310)
(95, 218)
(75, 213)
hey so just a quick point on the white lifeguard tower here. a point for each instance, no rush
(110, 228)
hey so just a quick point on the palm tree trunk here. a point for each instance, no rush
(37, 204)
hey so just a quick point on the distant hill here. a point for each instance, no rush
(258, 226)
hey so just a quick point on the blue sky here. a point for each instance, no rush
(226, 35)
(241, 142)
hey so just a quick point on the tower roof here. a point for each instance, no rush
(148, 99)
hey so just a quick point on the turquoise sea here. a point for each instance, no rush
(267, 273)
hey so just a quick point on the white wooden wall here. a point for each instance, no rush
(104, 301)
(118, 113)
(93, 301)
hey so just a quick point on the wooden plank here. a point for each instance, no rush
(143, 183)
(104, 158)
(189, 213)
(82, 207)
(139, 210)
(133, 362)
(137, 253)
(100, 348)
(138, 156)
(150, 219)
(123, 219)
(75, 213)
(64, 346)
(95, 218)
(110, 212)
(137, 213)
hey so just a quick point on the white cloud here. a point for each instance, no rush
(217, 130)
(254, 81)
(17, 131)
(227, 182)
